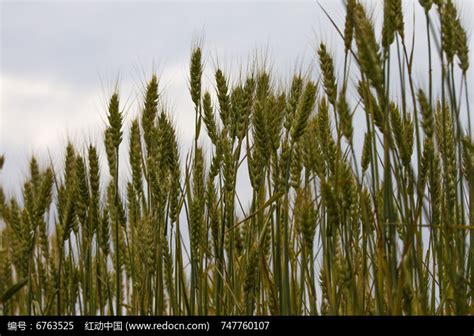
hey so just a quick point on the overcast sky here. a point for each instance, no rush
(59, 61)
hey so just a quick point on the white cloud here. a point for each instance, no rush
(37, 112)
(37, 118)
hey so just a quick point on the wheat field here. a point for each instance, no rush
(335, 226)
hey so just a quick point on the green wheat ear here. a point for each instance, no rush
(209, 119)
(305, 107)
(150, 112)
(329, 79)
(115, 121)
(195, 75)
